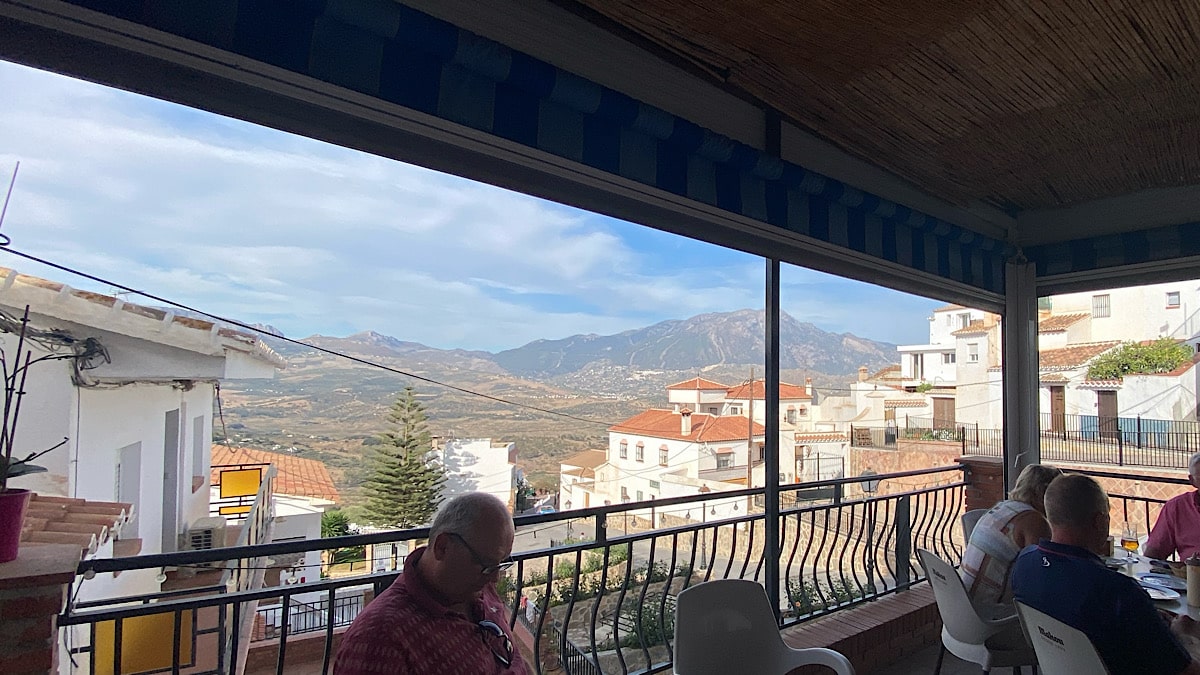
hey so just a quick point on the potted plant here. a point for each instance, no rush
(13, 501)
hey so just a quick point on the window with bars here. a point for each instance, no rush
(1101, 306)
(724, 460)
(624, 449)
(640, 452)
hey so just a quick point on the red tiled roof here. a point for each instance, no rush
(905, 403)
(1054, 378)
(62, 520)
(588, 459)
(1074, 356)
(294, 476)
(975, 327)
(821, 437)
(1100, 384)
(949, 308)
(666, 424)
(697, 383)
(891, 372)
(1060, 322)
(757, 389)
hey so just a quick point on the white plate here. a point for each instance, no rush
(1163, 580)
(1159, 593)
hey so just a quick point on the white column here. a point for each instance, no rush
(1021, 434)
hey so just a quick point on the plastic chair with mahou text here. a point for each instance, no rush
(1061, 649)
(727, 626)
(991, 643)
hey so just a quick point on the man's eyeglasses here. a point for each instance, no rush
(487, 569)
(497, 641)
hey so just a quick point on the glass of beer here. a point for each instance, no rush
(1129, 541)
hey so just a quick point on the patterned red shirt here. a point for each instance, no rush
(406, 630)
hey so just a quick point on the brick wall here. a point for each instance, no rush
(33, 590)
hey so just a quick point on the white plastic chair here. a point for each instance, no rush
(969, 520)
(990, 642)
(727, 626)
(1061, 649)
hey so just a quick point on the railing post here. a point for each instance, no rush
(903, 542)
(601, 528)
(1120, 444)
(1139, 431)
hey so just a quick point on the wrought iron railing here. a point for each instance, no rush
(599, 606)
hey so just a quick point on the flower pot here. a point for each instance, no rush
(12, 516)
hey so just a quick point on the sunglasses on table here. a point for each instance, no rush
(486, 568)
(497, 641)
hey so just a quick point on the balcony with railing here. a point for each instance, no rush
(601, 604)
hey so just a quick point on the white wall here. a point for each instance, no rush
(1140, 312)
(478, 465)
(300, 517)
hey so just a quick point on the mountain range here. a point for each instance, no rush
(700, 342)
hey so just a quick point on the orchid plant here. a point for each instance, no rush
(15, 371)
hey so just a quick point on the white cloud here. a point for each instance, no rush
(312, 238)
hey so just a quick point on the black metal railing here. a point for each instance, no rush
(1084, 439)
(599, 606)
(1130, 500)
(306, 617)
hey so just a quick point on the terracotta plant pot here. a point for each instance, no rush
(12, 516)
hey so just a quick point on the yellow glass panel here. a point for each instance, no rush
(146, 643)
(232, 510)
(240, 482)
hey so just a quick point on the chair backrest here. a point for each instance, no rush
(959, 616)
(724, 625)
(1061, 649)
(969, 520)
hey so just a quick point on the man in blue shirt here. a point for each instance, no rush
(1065, 578)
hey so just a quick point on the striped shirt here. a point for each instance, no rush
(988, 560)
(405, 630)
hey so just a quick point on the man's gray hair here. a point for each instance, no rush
(461, 514)
(1073, 500)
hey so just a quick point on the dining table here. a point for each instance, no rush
(1175, 605)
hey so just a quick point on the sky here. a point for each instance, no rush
(261, 226)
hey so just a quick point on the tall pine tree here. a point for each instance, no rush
(405, 486)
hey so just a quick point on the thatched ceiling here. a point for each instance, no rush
(1022, 104)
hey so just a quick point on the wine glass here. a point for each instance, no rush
(1129, 541)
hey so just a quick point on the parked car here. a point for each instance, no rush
(545, 508)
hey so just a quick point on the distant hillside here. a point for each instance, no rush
(705, 340)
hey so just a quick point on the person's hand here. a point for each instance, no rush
(1185, 625)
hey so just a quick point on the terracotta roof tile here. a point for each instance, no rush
(949, 308)
(294, 476)
(891, 372)
(1060, 322)
(1074, 356)
(63, 520)
(697, 383)
(1054, 378)
(787, 392)
(974, 328)
(821, 437)
(1100, 384)
(588, 459)
(666, 424)
(905, 403)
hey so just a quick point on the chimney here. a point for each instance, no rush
(676, 408)
(862, 373)
(808, 386)
(685, 422)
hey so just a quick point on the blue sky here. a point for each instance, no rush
(262, 226)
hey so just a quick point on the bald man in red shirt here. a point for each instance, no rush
(442, 615)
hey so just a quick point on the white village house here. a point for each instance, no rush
(135, 404)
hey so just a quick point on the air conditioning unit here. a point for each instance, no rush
(205, 534)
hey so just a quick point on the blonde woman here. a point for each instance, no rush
(1002, 532)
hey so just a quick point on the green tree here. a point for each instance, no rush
(1161, 356)
(405, 485)
(335, 523)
